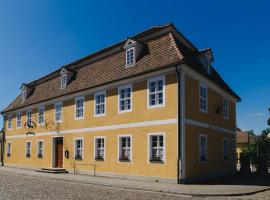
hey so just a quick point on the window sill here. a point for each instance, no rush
(28, 156)
(99, 159)
(40, 157)
(157, 161)
(124, 160)
(8, 155)
(79, 159)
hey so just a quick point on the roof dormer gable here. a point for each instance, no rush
(65, 77)
(132, 49)
(206, 58)
(26, 91)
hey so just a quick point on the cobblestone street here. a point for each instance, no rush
(14, 186)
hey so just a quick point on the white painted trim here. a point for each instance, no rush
(95, 95)
(41, 107)
(30, 110)
(75, 108)
(18, 127)
(9, 122)
(131, 91)
(101, 128)
(62, 114)
(74, 147)
(183, 127)
(26, 148)
(134, 57)
(53, 150)
(118, 146)
(149, 146)
(91, 91)
(202, 85)
(228, 108)
(156, 78)
(205, 136)
(95, 152)
(209, 126)
(43, 149)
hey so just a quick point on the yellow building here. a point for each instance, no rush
(151, 107)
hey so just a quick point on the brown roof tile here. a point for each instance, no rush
(159, 52)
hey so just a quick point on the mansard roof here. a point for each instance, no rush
(165, 47)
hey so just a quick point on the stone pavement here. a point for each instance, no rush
(234, 188)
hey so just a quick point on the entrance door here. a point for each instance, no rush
(59, 152)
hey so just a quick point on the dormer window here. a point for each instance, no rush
(66, 76)
(130, 57)
(24, 93)
(133, 49)
(63, 81)
(206, 57)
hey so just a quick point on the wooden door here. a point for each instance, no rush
(59, 153)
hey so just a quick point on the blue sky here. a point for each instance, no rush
(37, 37)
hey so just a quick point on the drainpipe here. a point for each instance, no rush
(3, 142)
(178, 73)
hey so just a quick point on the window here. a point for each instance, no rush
(156, 148)
(24, 94)
(225, 149)
(19, 120)
(9, 122)
(8, 149)
(203, 98)
(29, 117)
(99, 148)
(226, 108)
(79, 110)
(124, 148)
(156, 89)
(203, 147)
(40, 148)
(124, 96)
(58, 112)
(63, 81)
(100, 104)
(130, 57)
(28, 149)
(41, 112)
(78, 149)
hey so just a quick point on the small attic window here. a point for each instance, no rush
(63, 81)
(130, 57)
(24, 94)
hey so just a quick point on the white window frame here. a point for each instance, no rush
(227, 150)
(119, 98)
(206, 98)
(75, 108)
(75, 147)
(95, 147)
(154, 79)
(24, 95)
(55, 113)
(200, 150)
(9, 144)
(95, 103)
(9, 122)
(134, 57)
(42, 154)
(63, 84)
(226, 108)
(41, 116)
(149, 147)
(119, 150)
(18, 114)
(30, 151)
(27, 116)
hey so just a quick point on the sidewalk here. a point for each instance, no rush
(211, 189)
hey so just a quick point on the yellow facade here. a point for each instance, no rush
(138, 123)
